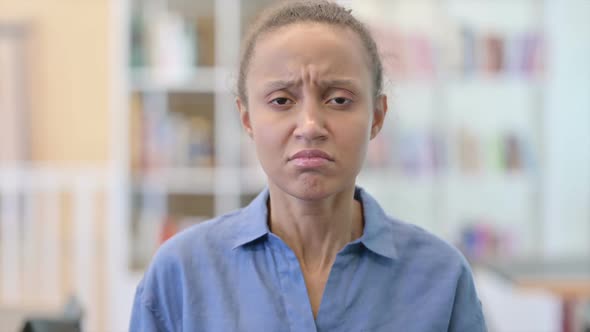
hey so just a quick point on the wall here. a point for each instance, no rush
(69, 106)
(69, 77)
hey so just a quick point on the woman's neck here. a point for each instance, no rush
(315, 231)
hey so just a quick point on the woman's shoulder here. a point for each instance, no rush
(416, 243)
(188, 258)
(200, 239)
(406, 241)
(195, 249)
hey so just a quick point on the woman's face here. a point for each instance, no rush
(311, 111)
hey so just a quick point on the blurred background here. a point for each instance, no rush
(118, 129)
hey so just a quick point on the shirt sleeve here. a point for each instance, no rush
(145, 318)
(467, 312)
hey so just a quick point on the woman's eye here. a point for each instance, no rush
(280, 101)
(340, 101)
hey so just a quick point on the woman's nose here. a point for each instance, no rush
(311, 124)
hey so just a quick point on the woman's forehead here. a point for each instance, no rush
(325, 52)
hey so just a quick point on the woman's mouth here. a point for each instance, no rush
(310, 158)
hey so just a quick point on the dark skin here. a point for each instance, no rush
(309, 88)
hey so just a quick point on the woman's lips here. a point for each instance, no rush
(310, 158)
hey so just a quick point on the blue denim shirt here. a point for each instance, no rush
(232, 274)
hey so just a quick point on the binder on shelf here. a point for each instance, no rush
(470, 52)
(470, 158)
(493, 53)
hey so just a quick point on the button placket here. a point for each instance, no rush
(296, 300)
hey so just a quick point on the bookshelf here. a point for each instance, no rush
(462, 142)
(460, 148)
(179, 65)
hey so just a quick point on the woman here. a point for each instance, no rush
(312, 252)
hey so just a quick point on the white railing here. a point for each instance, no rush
(52, 221)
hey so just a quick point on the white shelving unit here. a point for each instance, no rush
(199, 88)
(199, 79)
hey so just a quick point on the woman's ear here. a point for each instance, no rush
(244, 116)
(379, 111)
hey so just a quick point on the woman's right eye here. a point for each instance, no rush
(281, 101)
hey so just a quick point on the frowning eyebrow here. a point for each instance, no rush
(286, 84)
(280, 84)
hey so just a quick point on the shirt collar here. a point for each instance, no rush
(377, 235)
(252, 221)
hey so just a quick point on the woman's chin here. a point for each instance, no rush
(311, 194)
(312, 188)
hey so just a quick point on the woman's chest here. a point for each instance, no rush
(353, 298)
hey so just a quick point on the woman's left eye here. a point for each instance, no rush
(280, 101)
(340, 101)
